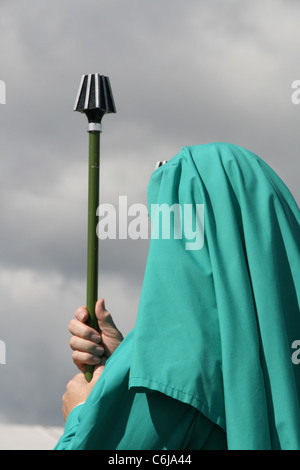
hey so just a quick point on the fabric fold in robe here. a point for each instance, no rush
(218, 316)
(215, 326)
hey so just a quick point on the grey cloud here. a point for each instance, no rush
(182, 74)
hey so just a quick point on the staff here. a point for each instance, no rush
(94, 99)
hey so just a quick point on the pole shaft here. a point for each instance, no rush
(92, 238)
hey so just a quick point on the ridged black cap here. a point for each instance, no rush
(95, 97)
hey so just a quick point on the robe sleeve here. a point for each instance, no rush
(70, 429)
(115, 417)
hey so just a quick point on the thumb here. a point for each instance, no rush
(105, 321)
(98, 371)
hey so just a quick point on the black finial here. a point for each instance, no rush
(95, 97)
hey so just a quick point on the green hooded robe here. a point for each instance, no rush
(211, 362)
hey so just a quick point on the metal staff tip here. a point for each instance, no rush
(95, 99)
(158, 164)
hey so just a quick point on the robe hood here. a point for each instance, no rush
(217, 319)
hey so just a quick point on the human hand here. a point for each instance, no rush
(78, 389)
(88, 344)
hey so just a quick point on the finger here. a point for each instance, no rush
(77, 328)
(80, 359)
(85, 345)
(82, 314)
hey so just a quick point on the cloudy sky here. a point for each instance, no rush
(182, 73)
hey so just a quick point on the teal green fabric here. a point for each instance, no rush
(215, 326)
(116, 418)
(212, 343)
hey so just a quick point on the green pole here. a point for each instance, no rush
(92, 238)
(94, 99)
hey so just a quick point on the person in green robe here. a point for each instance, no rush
(212, 362)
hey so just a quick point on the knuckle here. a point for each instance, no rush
(72, 342)
(75, 356)
(69, 385)
(71, 324)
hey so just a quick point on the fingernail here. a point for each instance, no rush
(96, 338)
(96, 359)
(81, 315)
(99, 351)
